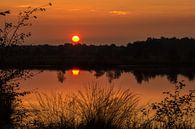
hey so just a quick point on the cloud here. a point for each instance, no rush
(92, 10)
(74, 9)
(118, 12)
(23, 6)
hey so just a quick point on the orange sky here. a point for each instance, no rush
(107, 21)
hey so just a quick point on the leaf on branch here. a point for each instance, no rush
(4, 13)
(50, 4)
(13, 29)
(29, 34)
(42, 9)
(7, 12)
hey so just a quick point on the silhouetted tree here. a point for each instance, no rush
(10, 35)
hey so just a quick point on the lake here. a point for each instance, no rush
(147, 84)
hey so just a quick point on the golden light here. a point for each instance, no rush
(75, 72)
(75, 38)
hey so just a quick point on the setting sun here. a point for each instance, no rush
(75, 72)
(75, 38)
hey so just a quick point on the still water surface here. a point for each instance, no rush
(69, 81)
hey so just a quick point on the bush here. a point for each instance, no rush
(176, 110)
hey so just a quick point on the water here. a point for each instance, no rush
(148, 86)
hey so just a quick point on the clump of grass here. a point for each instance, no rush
(52, 112)
(105, 107)
(96, 107)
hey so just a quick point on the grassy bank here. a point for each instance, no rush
(101, 107)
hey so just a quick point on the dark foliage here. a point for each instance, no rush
(176, 110)
(164, 51)
(11, 112)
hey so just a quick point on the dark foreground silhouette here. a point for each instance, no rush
(152, 52)
(102, 107)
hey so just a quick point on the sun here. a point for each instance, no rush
(75, 38)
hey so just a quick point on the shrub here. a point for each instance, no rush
(177, 110)
(11, 34)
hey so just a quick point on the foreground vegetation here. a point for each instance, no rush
(11, 112)
(109, 108)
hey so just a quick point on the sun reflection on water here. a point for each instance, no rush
(75, 72)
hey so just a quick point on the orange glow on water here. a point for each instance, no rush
(75, 72)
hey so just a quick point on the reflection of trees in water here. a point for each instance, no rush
(190, 75)
(171, 76)
(99, 73)
(110, 74)
(140, 77)
(146, 75)
(61, 76)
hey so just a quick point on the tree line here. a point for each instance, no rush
(153, 51)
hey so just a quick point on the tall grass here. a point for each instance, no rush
(95, 107)
(52, 111)
(102, 107)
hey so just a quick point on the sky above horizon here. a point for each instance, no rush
(106, 21)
